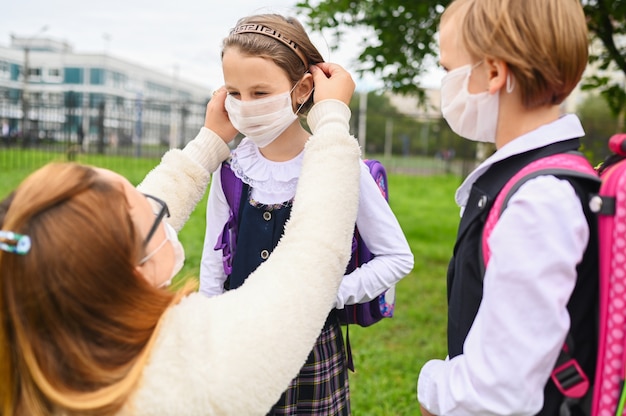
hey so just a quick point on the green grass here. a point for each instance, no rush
(388, 355)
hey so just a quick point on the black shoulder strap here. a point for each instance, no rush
(486, 188)
(499, 173)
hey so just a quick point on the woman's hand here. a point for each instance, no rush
(332, 81)
(216, 118)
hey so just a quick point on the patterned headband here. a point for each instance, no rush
(14, 243)
(267, 31)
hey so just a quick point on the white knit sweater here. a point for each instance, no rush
(236, 353)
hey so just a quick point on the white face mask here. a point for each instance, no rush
(179, 252)
(262, 120)
(473, 116)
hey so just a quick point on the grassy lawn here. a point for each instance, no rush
(388, 355)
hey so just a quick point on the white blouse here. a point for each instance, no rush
(276, 182)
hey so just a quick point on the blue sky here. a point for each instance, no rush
(180, 37)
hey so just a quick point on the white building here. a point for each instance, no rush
(47, 90)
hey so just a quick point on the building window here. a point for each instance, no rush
(15, 72)
(34, 74)
(119, 80)
(5, 70)
(96, 76)
(74, 75)
(53, 75)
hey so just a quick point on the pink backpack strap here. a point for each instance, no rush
(567, 164)
(567, 376)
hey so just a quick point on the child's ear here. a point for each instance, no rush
(498, 71)
(304, 89)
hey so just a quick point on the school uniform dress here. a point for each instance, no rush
(506, 327)
(321, 388)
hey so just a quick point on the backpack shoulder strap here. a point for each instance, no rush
(567, 375)
(378, 172)
(360, 252)
(233, 189)
(570, 164)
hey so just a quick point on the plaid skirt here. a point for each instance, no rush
(321, 387)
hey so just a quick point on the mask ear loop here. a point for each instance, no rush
(308, 95)
(305, 100)
(510, 83)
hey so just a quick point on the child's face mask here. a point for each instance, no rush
(473, 116)
(262, 120)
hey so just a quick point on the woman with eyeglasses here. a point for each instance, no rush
(85, 325)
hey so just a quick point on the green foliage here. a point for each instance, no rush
(403, 34)
(606, 19)
(409, 136)
(607, 22)
(600, 124)
(402, 41)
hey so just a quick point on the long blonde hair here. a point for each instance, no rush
(77, 320)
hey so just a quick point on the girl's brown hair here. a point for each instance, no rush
(257, 44)
(544, 42)
(76, 319)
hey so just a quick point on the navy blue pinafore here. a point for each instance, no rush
(321, 387)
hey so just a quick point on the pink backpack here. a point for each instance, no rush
(609, 389)
(609, 393)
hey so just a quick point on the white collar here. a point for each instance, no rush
(564, 128)
(262, 174)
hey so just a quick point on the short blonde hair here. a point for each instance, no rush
(544, 42)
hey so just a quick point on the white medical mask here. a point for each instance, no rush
(179, 252)
(473, 116)
(262, 120)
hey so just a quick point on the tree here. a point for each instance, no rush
(380, 112)
(607, 21)
(599, 124)
(403, 38)
(408, 136)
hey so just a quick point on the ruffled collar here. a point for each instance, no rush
(262, 174)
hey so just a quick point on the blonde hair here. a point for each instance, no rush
(257, 44)
(77, 320)
(544, 42)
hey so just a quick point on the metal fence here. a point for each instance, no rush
(114, 131)
(73, 124)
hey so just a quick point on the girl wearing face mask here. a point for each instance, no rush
(266, 61)
(510, 65)
(85, 328)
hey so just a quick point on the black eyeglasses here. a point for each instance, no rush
(162, 212)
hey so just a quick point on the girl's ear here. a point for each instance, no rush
(497, 73)
(304, 89)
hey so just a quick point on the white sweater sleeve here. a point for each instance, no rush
(183, 175)
(235, 354)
